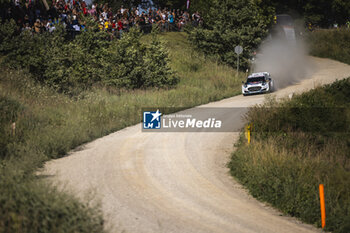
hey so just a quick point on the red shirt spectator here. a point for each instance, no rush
(120, 25)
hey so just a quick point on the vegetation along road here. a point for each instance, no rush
(177, 182)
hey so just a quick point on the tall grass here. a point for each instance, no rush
(331, 43)
(49, 124)
(290, 155)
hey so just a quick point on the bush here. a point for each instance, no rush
(35, 207)
(156, 62)
(332, 43)
(133, 64)
(8, 31)
(89, 59)
(296, 146)
(9, 109)
(78, 63)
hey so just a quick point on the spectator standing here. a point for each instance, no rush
(120, 28)
(186, 16)
(195, 19)
(104, 15)
(27, 28)
(171, 20)
(37, 26)
(125, 23)
(93, 10)
(165, 21)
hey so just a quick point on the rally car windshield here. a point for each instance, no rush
(256, 79)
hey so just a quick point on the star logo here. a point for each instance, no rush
(156, 115)
(152, 120)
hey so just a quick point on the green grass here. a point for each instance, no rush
(331, 43)
(49, 124)
(292, 153)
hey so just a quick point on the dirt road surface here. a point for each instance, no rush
(177, 182)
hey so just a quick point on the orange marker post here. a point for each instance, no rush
(322, 204)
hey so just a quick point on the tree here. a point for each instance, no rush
(318, 12)
(157, 64)
(341, 11)
(132, 64)
(324, 12)
(267, 10)
(227, 24)
(116, 4)
(170, 4)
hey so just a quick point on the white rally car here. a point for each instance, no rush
(257, 83)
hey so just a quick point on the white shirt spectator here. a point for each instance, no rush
(104, 15)
(52, 28)
(76, 28)
(63, 16)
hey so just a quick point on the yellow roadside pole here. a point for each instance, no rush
(322, 204)
(248, 129)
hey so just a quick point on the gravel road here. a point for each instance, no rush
(177, 182)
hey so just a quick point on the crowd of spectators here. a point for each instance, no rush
(32, 15)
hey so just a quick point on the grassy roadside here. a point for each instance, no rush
(297, 145)
(49, 124)
(330, 43)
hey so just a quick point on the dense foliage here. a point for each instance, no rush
(116, 4)
(332, 43)
(33, 207)
(89, 59)
(322, 13)
(297, 145)
(228, 24)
